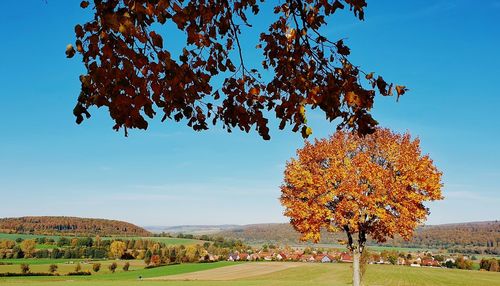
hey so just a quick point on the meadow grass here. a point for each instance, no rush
(46, 246)
(13, 236)
(165, 240)
(32, 261)
(69, 265)
(104, 275)
(307, 275)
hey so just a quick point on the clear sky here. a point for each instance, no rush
(446, 52)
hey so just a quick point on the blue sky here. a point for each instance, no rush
(446, 52)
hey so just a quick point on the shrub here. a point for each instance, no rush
(494, 265)
(25, 268)
(127, 256)
(10, 274)
(463, 263)
(112, 267)
(126, 266)
(450, 264)
(155, 260)
(52, 268)
(96, 267)
(79, 273)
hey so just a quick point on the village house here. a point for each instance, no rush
(243, 256)
(295, 256)
(266, 256)
(401, 261)
(346, 257)
(234, 257)
(449, 259)
(281, 256)
(323, 258)
(307, 258)
(430, 262)
(254, 257)
(209, 258)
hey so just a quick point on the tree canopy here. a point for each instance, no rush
(135, 75)
(373, 185)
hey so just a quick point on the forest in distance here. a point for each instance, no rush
(63, 225)
(471, 237)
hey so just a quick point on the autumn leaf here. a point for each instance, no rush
(400, 90)
(306, 131)
(79, 46)
(352, 99)
(157, 40)
(254, 91)
(70, 51)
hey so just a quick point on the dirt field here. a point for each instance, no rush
(233, 272)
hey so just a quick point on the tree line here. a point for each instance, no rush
(119, 248)
(57, 225)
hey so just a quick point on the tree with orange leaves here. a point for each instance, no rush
(373, 185)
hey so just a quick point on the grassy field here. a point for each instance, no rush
(69, 266)
(13, 236)
(32, 261)
(306, 274)
(165, 240)
(169, 240)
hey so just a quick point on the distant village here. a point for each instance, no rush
(414, 259)
(209, 249)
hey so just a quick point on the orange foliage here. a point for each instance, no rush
(155, 260)
(130, 71)
(373, 185)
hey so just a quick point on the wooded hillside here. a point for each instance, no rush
(54, 225)
(473, 237)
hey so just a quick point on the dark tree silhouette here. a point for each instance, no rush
(132, 73)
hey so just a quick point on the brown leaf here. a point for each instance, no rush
(70, 51)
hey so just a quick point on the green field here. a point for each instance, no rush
(32, 261)
(306, 274)
(166, 240)
(68, 265)
(13, 236)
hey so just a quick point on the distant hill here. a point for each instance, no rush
(471, 237)
(61, 225)
(192, 229)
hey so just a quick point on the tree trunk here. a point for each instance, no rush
(356, 276)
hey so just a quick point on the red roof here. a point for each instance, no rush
(243, 255)
(346, 257)
(429, 262)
